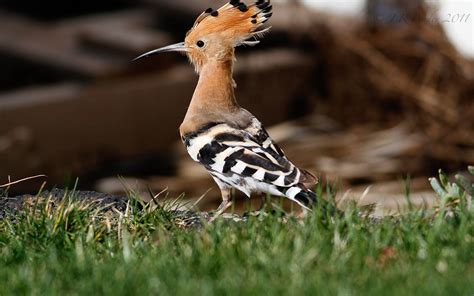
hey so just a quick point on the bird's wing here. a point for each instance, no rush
(261, 136)
(225, 149)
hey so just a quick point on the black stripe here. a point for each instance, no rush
(209, 151)
(186, 141)
(261, 162)
(291, 177)
(278, 150)
(261, 136)
(248, 171)
(269, 177)
(231, 160)
(268, 9)
(186, 138)
(243, 7)
(306, 197)
(228, 137)
(261, 154)
(283, 162)
(302, 197)
(263, 5)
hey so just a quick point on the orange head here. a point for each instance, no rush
(216, 33)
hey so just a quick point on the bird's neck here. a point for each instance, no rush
(215, 90)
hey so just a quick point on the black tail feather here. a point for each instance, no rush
(308, 199)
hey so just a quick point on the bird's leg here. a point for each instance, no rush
(263, 202)
(260, 210)
(225, 204)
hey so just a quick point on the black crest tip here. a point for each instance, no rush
(268, 9)
(209, 10)
(268, 15)
(243, 7)
(215, 13)
(263, 5)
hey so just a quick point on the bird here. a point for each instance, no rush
(229, 141)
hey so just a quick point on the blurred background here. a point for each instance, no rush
(374, 96)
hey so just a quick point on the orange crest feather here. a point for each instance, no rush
(235, 21)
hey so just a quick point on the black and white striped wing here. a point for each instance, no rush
(228, 151)
(260, 136)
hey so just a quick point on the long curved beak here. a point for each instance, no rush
(180, 47)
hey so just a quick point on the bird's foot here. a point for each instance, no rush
(264, 213)
(220, 210)
(258, 213)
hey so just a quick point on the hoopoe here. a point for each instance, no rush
(226, 139)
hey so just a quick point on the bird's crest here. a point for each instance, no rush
(235, 21)
(216, 33)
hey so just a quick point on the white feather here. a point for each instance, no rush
(292, 192)
(239, 167)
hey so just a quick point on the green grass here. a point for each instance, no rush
(77, 249)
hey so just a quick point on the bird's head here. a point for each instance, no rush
(216, 33)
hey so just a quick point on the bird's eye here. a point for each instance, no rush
(200, 43)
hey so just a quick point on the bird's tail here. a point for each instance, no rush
(309, 200)
(302, 196)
